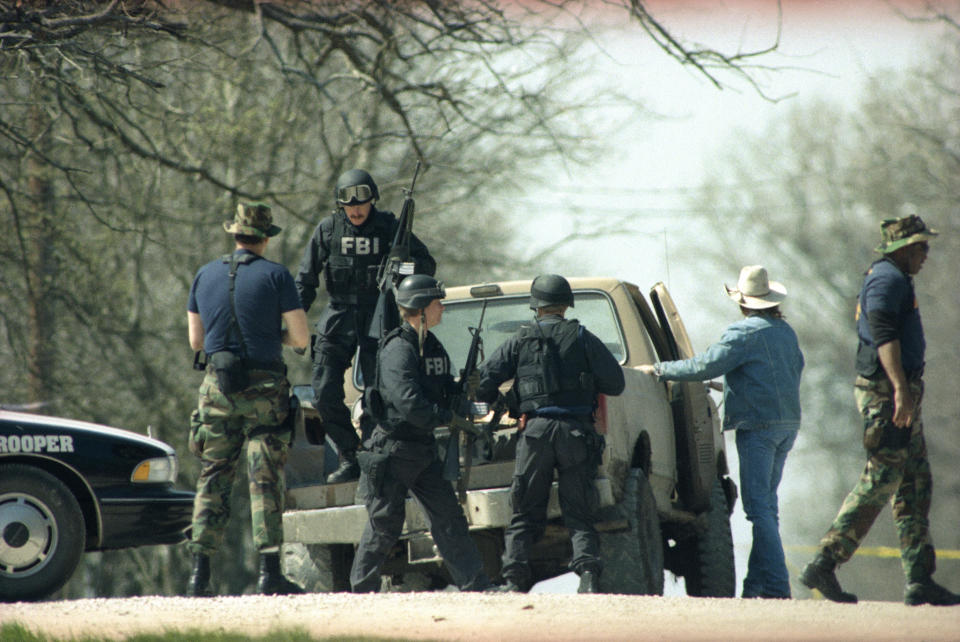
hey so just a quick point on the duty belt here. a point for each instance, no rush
(276, 367)
(880, 375)
(355, 299)
(572, 412)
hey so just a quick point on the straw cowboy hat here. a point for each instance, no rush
(755, 290)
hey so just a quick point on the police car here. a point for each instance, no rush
(69, 486)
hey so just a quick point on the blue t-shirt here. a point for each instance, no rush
(264, 291)
(886, 311)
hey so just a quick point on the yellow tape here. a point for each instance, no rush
(878, 551)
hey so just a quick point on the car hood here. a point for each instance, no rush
(23, 419)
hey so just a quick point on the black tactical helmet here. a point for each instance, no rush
(416, 291)
(354, 187)
(550, 289)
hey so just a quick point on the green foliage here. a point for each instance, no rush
(130, 138)
(12, 632)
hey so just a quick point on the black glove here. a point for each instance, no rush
(473, 382)
(459, 422)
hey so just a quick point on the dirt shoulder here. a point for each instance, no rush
(456, 616)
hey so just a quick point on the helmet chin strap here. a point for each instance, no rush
(422, 329)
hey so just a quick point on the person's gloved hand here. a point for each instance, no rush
(459, 422)
(473, 382)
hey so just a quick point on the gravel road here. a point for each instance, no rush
(515, 617)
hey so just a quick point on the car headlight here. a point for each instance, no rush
(158, 469)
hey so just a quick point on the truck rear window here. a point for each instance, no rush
(505, 315)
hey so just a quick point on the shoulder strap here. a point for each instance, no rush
(236, 260)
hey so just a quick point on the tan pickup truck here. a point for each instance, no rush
(664, 490)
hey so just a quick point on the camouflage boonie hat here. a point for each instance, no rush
(901, 232)
(252, 219)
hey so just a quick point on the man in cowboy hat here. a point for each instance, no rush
(888, 390)
(760, 360)
(236, 311)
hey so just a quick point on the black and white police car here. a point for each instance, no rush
(68, 486)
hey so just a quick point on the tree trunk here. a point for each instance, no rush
(40, 262)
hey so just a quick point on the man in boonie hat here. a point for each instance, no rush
(760, 359)
(237, 308)
(253, 220)
(888, 390)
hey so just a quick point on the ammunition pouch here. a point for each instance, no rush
(596, 444)
(374, 403)
(373, 468)
(231, 372)
(285, 430)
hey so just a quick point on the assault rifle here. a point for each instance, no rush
(451, 463)
(394, 267)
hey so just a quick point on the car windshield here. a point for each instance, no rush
(504, 316)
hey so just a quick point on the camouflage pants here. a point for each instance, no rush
(897, 470)
(221, 428)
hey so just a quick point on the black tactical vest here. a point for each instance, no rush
(433, 375)
(351, 271)
(552, 367)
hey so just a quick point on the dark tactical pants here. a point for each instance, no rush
(340, 329)
(897, 470)
(568, 446)
(415, 467)
(220, 432)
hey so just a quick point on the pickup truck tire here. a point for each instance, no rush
(710, 571)
(319, 568)
(42, 533)
(633, 559)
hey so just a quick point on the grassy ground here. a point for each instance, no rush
(17, 633)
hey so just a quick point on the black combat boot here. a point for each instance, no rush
(349, 469)
(510, 585)
(929, 592)
(819, 575)
(199, 583)
(272, 580)
(589, 582)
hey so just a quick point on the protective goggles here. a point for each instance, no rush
(354, 194)
(438, 291)
(427, 294)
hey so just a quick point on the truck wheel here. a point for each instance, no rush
(710, 571)
(319, 567)
(633, 559)
(42, 533)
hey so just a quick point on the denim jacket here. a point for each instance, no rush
(760, 359)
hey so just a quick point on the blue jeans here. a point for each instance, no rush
(763, 452)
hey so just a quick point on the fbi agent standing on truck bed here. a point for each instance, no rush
(415, 392)
(348, 247)
(558, 367)
(235, 313)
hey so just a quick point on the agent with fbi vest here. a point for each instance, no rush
(415, 393)
(348, 248)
